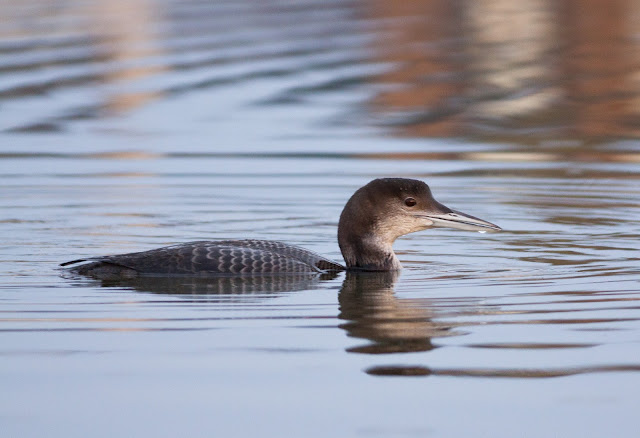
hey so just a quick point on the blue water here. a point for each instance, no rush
(253, 120)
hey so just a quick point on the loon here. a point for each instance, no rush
(373, 218)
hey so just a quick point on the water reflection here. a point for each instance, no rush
(126, 35)
(392, 325)
(555, 296)
(531, 71)
(526, 71)
(257, 284)
(495, 372)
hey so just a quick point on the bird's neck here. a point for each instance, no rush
(365, 242)
(368, 252)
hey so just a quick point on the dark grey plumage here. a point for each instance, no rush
(232, 257)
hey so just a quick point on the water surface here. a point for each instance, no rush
(253, 120)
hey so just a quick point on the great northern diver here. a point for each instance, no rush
(373, 218)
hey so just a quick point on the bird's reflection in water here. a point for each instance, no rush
(221, 285)
(395, 325)
(372, 311)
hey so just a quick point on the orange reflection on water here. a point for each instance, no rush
(501, 69)
(125, 30)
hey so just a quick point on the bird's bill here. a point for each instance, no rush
(456, 219)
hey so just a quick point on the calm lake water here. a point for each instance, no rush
(129, 125)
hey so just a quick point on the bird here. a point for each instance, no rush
(372, 219)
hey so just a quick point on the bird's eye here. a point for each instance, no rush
(410, 202)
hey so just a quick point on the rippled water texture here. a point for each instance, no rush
(129, 125)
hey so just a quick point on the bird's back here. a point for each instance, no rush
(223, 257)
